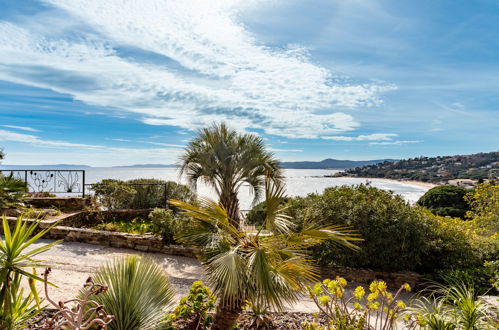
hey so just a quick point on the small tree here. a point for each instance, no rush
(446, 201)
(267, 267)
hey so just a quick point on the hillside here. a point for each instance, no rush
(332, 164)
(433, 169)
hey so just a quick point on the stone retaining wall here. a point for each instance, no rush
(394, 280)
(63, 203)
(145, 243)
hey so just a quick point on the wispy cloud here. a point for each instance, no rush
(207, 67)
(32, 139)
(394, 142)
(370, 137)
(23, 128)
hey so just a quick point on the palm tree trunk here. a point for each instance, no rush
(226, 317)
(231, 204)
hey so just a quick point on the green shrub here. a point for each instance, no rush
(396, 235)
(12, 192)
(166, 223)
(140, 193)
(194, 308)
(446, 201)
(256, 216)
(483, 280)
(139, 292)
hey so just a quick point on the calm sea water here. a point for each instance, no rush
(298, 182)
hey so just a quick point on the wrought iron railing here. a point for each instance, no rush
(51, 181)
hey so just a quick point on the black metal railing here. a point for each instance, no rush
(51, 181)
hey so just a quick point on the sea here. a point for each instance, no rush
(299, 182)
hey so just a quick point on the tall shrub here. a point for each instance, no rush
(446, 201)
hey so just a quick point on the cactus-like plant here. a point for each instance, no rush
(78, 313)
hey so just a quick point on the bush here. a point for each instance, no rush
(256, 216)
(140, 193)
(396, 236)
(484, 202)
(166, 224)
(446, 201)
(12, 191)
(194, 308)
(139, 292)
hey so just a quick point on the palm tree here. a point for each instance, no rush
(225, 159)
(268, 267)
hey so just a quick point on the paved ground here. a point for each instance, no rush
(73, 262)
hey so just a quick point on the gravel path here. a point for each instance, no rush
(73, 262)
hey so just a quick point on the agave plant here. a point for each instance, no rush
(226, 160)
(17, 260)
(138, 294)
(269, 266)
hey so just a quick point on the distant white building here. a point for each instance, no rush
(466, 183)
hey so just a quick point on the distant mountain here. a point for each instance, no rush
(147, 166)
(333, 164)
(42, 167)
(433, 169)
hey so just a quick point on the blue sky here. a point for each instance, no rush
(126, 82)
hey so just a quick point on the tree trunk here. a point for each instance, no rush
(226, 317)
(231, 204)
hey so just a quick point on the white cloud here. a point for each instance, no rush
(394, 142)
(370, 137)
(31, 139)
(22, 128)
(207, 68)
(83, 153)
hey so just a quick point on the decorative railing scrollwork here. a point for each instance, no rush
(51, 181)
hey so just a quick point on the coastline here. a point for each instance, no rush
(428, 185)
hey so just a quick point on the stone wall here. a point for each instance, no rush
(63, 203)
(394, 280)
(145, 243)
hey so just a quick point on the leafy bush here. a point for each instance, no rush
(483, 280)
(484, 202)
(135, 226)
(194, 308)
(396, 236)
(256, 216)
(12, 191)
(139, 292)
(140, 193)
(379, 307)
(393, 231)
(446, 201)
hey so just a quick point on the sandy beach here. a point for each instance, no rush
(410, 182)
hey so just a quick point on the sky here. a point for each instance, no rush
(121, 82)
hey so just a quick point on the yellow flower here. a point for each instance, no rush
(324, 300)
(357, 306)
(372, 296)
(318, 289)
(407, 287)
(374, 305)
(401, 304)
(359, 293)
(341, 281)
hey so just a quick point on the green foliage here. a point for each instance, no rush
(225, 159)
(456, 306)
(139, 193)
(358, 312)
(195, 308)
(446, 201)
(139, 292)
(484, 202)
(394, 233)
(135, 226)
(17, 258)
(12, 192)
(483, 279)
(166, 223)
(268, 266)
(256, 216)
